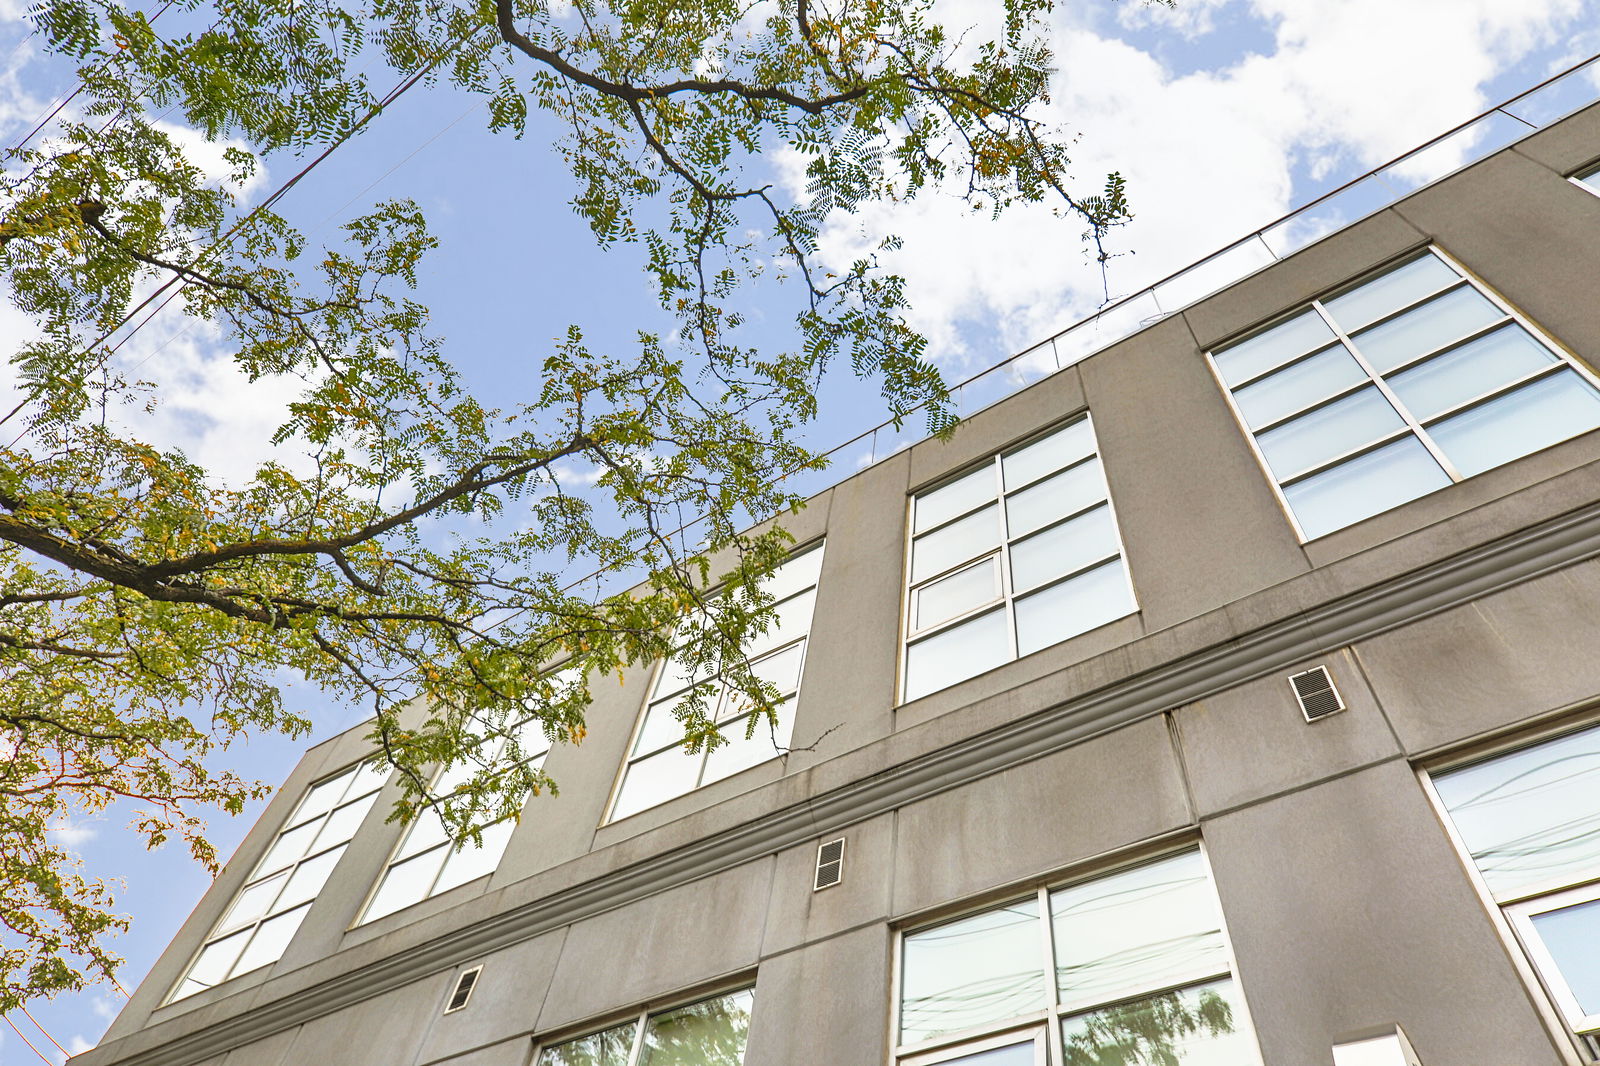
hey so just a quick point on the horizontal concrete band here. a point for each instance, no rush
(1471, 575)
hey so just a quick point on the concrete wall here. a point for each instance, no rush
(1453, 618)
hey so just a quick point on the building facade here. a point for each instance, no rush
(1230, 697)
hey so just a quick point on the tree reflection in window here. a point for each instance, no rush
(711, 1032)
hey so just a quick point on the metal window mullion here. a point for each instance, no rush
(1007, 594)
(1383, 387)
(1057, 1053)
(1496, 393)
(638, 1038)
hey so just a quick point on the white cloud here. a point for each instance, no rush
(70, 834)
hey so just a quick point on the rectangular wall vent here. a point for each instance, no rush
(1315, 692)
(830, 865)
(464, 986)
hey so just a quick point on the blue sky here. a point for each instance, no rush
(1222, 115)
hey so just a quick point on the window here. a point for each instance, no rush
(658, 768)
(712, 1031)
(1015, 556)
(1589, 178)
(1530, 823)
(1396, 387)
(273, 903)
(1133, 967)
(427, 862)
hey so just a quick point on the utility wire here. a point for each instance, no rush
(25, 1040)
(45, 1031)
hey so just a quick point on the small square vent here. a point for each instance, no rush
(1315, 692)
(830, 865)
(463, 992)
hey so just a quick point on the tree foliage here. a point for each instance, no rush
(410, 544)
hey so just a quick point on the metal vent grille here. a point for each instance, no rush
(464, 986)
(1316, 694)
(830, 865)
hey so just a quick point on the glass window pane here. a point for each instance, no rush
(792, 619)
(405, 883)
(369, 778)
(1039, 505)
(471, 863)
(675, 678)
(342, 823)
(662, 728)
(967, 973)
(969, 538)
(321, 799)
(710, 1033)
(957, 653)
(610, 1048)
(272, 936)
(781, 669)
(426, 832)
(1073, 607)
(1298, 386)
(960, 592)
(1469, 371)
(1150, 927)
(741, 753)
(1273, 348)
(1590, 177)
(252, 903)
(216, 961)
(1199, 1026)
(289, 846)
(1059, 449)
(308, 879)
(1358, 419)
(1436, 323)
(1024, 1054)
(655, 780)
(794, 574)
(1392, 291)
(1519, 423)
(1062, 549)
(1530, 818)
(1364, 486)
(958, 497)
(1572, 936)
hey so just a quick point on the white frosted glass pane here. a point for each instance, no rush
(530, 736)
(662, 728)
(1572, 935)
(958, 497)
(1198, 1026)
(1591, 178)
(1343, 425)
(675, 677)
(655, 780)
(288, 847)
(1150, 927)
(1364, 486)
(740, 753)
(406, 883)
(972, 972)
(960, 592)
(1298, 386)
(1436, 323)
(709, 1033)
(1038, 505)
(216, 961)
(1059, 449)
(471, 862)
(956, 654)
(1072, 607)
(1470, 371)
(1519, 423)
(1024, 1054)
(792, 619)
(1392, 291)
(1530, 818)
(1062, 549)
(342, 823)
(610, 1048)
(426, 832)
(252, 903)
(271, 937)
(308, 879)
(320, 800)
(969, 538)
(781, 669)
(794, 574)
(1273, 348)
(369, 778)
(188, 988)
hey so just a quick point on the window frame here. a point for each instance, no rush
(1520, 915)
(1412, 426)
(1587, 178)
(659, 668)
(641, 1020)
(1007, 597)
(1048, 1020)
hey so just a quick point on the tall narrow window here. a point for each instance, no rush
(272, 904)
(712, 1031)
(659, 769)
(1017, 555)
(1128, 968)
(1396, 387)
(1530, 821)
(428, 862)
